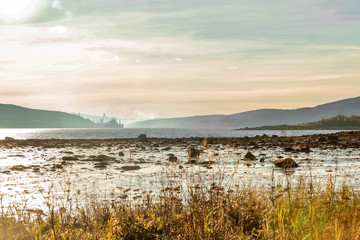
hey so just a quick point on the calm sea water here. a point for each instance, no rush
(135, 132)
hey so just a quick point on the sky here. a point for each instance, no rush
(166, 58)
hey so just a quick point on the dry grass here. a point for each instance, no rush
(207, 212)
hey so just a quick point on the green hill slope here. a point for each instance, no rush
(12, 116)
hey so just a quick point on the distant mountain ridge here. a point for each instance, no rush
(335, 123)
(262, 117)
(12, 116)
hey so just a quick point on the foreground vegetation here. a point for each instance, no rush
(302, 211)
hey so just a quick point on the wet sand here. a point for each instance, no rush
(33, 171)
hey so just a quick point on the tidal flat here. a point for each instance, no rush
(69, 174)
(104, 169)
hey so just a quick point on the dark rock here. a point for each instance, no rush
(322, 139)
(191, 161)
(172, 159)
(69, 158)
(18, 168)
(289, 149)
(249, 156)
(130, 168)
(286, 163)
(101, 165)
(305, 149)
(16, 155)
(142, 137)
(121, 154)
(102, 158)
(206, 162)
(262, 160)
(194, 153)
(332, 138)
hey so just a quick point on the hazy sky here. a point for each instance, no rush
(166, 58)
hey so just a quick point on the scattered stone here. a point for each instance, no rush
(288, 149)
(121, 154)
(262, 159)
(332, 138)
(172, 159)
(142, 137)
(101, 165)
(68, 152)
(322, 139)
(286, 163)
(194, 153)
(181, 167)
(69, 158)
(206, 162)
(16, 155)
(130, 168)
(249, 156)
(18, 168)
(248, 164)
(305, 150)
(102, 158)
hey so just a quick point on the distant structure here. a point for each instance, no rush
(113, 123)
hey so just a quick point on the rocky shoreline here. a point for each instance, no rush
(103, 166)
(344, 139)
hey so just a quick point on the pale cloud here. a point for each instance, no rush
(176, 58)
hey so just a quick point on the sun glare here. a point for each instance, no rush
(17, 9)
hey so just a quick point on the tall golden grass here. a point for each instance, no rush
(202, 211)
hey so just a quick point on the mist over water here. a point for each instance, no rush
(150, 132)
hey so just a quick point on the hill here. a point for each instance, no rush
(336, 123)
(257, 118)
(12, 116)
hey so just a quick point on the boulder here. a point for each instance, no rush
(305, 149)
(286, 163)
(322, 139)
(249, 156)
(142, 137)
(172, 159)
(130, 168)
(289, 149)
(102, 158)
(194, 153)
(332, 138)
(69, 158)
